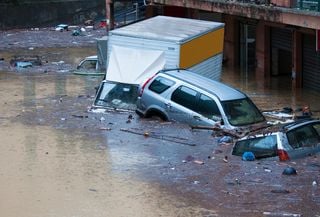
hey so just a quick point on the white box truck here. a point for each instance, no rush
(137, 51)
(174, 42)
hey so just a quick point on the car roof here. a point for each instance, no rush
(166, 28)
(222, 91)
(280, 128)
(95, 57)
(299, 123)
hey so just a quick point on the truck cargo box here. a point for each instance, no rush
(191, 44)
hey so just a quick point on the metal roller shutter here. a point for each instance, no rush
(281, 51)
(281, 38)
(310, 63)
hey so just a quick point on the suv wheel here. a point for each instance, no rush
(156, 114)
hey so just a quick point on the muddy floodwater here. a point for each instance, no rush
(58, 160)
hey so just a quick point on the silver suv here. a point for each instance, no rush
(184, 96)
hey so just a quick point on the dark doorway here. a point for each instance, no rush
(284, 62)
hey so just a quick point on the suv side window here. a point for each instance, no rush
(185, 97)
(160, 84)
(305, 136)
(207, 107)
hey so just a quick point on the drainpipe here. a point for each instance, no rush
(109, 15)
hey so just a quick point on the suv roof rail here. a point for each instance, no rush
(172, 69)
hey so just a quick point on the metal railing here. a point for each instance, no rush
(129, 15)
(309, 5)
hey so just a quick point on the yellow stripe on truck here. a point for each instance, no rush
(201, 48)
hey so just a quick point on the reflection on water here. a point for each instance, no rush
(273, 93)
(60, 173)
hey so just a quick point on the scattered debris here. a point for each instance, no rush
(237, 181)
(280, 191)
(105, 128)
(218, 128)
(88, 22)
(198, 162)
(23, 64)
(225, 139)
(80, 116)
(289, 171)
(248, 156)
(78, 31)
(162, 137)
(268, 170)
(25, 61)
(62, 27)
(281, 214)
(229, 193)
(225, 159)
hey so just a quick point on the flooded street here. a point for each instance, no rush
(58, 160)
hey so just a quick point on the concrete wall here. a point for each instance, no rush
(27, 14)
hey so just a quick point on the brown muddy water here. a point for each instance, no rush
(57, 161)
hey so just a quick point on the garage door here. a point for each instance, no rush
(310, 63)
(281, 51)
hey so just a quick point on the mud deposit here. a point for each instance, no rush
(58, 160)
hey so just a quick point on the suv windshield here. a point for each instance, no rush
(242, 112)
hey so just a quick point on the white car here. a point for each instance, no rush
(288, 141)
(89, 66)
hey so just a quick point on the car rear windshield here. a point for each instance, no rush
(242, 112)
(117, 96)
(265, 146)
(160, 84)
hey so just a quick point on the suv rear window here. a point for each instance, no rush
(160, 84)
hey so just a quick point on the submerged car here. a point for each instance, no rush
(89, 66)
(187, 97)
(287, 141)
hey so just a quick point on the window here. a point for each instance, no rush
(117, 96)
(317, 128)
(265, 146)
(305, 136)
(88, 64)
(242, 112)
(160, 84)
(185, 97)
(207, 107)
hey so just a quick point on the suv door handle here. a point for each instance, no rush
(196, 117)
(168, 105)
